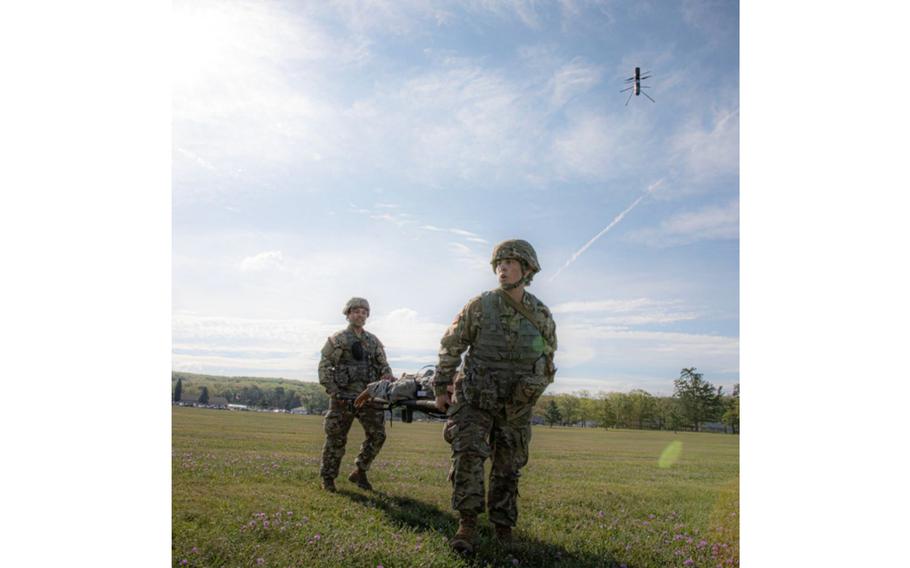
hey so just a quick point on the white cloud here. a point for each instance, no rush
(656, 385)
(404, 330)
(713, 17)
(268, 260)
(645, 349)
(625, 313)
(602, 306)
(398, 219)
(269, 347)
(594, 146)
(467, 256)
(573, 79)
(709, 223)
(712, 151)
(463, 233)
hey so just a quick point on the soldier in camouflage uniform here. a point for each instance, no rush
(351, 359)
(510, 338)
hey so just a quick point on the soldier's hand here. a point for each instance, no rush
(443, 401)
(362, 399)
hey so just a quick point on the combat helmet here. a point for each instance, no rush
(520, 250)
(356, 303)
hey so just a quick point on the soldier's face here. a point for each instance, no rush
(509, 271)
(358, 316)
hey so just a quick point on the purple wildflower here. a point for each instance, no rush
(260, 561)
(688, 562)
(184, 562)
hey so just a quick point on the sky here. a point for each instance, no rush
(324, 150)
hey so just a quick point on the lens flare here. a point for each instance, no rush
(670, 455)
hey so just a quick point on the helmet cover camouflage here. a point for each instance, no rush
(520, 250)
(356, 303)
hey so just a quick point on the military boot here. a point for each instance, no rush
(328, 484)
(359, 477)
(503, 533)
(463, 541)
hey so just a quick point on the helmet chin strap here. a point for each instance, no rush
(524, 280)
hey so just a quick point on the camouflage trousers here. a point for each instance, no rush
(502, 434)
(337, 424)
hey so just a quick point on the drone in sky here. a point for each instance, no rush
(636, 85)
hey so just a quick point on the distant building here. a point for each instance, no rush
(193, 400)
(217, 402)
(299, 410)
(237, 407)
(713, 427)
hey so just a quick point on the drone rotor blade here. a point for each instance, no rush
(624, 90)
(643, 78)
(629, 99)
(649, 96)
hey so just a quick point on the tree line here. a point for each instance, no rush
(251, 391)
(694, 403)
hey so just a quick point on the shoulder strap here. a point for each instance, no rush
(520, 308)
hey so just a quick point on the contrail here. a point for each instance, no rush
(613, 223)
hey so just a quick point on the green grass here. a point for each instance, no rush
(246, 493)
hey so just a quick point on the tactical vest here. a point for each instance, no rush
(355, 369)
(493, 367)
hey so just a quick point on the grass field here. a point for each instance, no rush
(246, 493)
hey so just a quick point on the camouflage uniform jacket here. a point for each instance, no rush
(466, 329)
(349, 362)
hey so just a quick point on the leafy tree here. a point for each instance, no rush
(606, 416)
(587, 409)
(619, 402)
(204, 396)
(699, 400)
(178, 390)
(667, 414)
(641, 407)
(731, 410)
(569, 405)
(553, 414)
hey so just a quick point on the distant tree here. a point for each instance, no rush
(620, 404)
(278, 398)
(606, 416)
(667, 414)
(731, 410)
(178, 390)
(587, 408)
(204, 396)
(553, 415)
(569, 406)
(316, 402)
(642, 407)
(699, 400)
(292, 401)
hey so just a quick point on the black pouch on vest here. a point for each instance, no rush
(480, 390)
(530, 387)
